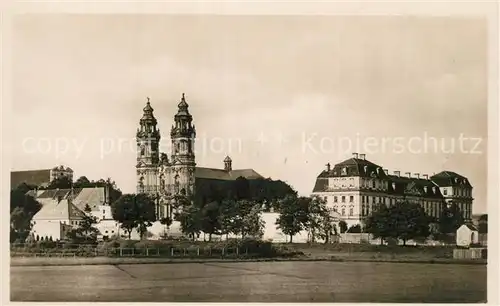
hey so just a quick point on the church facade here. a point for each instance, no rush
(162, 177)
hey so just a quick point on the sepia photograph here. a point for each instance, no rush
(286, 158)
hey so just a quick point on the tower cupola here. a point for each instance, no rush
(228, 164)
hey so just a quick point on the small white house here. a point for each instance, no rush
(467, 234)
(55, 219)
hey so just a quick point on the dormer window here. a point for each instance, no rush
(366, 169)
(394, 186)
(445, 191)
(425, 189)
(434, 190)
(344, 171)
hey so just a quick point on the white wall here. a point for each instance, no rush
(47, 228)
(108, 228)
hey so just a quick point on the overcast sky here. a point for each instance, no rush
(275, 93)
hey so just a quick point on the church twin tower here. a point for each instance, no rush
(156, 174)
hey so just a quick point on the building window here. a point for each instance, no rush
(343, 199)
(343, 211)
(374, 200)
(445, 191)
(351, 211)
(335, 199)
(326, 199)
(351, 199)
(373, 183)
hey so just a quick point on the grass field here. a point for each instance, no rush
(254, 282)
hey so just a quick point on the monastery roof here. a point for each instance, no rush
(39, 177)
(221, 174)
(397, 185)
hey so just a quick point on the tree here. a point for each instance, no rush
(354, 229)
(134, 211)
(167, 221)
(82, 182)
(241, 188)
(210, 219)
(252, 223)
(85, 232)
(145, 213)
(451, 219)
(62, 182)
(400, 221)
(434, 232)
(190, 220)
(229, 218)
(342, 226)
(293, 215)
(320, 222)
(22, 209)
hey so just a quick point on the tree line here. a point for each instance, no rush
(235, 207)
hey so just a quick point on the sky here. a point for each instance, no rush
(283, 95)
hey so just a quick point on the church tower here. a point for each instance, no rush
(148, 139)
(183, 164)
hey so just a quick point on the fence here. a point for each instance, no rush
(473, 253)
(93, 251)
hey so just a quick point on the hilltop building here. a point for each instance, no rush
(40, 177)
(356, 186)
(164, 177)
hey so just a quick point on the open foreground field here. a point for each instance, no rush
(252, 282)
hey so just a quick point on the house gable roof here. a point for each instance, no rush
(59, 210)
(470, 226)
(80, 197)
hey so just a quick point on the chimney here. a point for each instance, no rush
(328, 167)
(408, 174)
(417, 175)
(425, 176)
(386, 172)
(397, 173)
(362, 156)
(354, 155)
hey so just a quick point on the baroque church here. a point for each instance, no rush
(163, 177)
